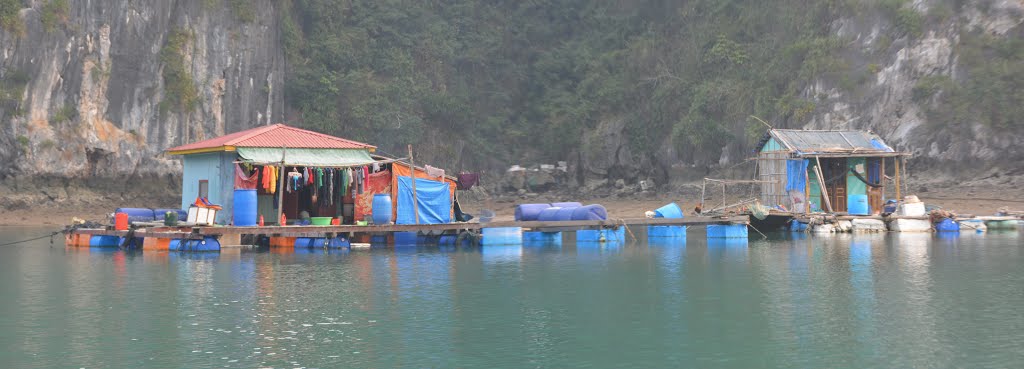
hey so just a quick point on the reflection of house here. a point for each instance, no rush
(852, 167)
(209, 170)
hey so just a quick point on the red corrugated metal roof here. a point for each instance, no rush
(276, 135)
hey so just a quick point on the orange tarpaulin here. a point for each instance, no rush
(403, 171)
(379, 182)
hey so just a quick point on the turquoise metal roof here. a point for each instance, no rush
(306, 157)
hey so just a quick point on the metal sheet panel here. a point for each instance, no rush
(306, 157)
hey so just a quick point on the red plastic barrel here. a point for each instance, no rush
(121, 221)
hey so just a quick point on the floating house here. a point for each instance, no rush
(806, 171)
(275, 163)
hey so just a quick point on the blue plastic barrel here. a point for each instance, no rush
(529, 212)
(245, 213)
(566, 204)
(858, 205)
(590, 212)
(671, 211)
(947, 225)
(549, 214)
(159, 214)
(139, 214)
(382, 208)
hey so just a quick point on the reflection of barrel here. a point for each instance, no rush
(381, 208)
(245, 208)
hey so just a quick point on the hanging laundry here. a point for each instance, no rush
(468, 180)
(309, 177)
(243, 180)
(433, 172)
(266, 175)
(376, 167)
(330, 186)
(295, 180)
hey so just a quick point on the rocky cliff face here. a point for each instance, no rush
(98, 91)
(886, 103)
(87, 92)
(885, 58)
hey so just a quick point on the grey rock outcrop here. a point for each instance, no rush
(91, 105)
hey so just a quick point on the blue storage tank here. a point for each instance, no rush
(330, 243)
(245, 213)
(206, 244)
(549, 214)
(797, 226)
(159, 214)
(601, 235)
(381, 210)
(501, 236)
(566, 204)
(542, 238)
(947, 225)
(406, 238)
(727, 231)
(138, 214)
(666, 231)
(590, 212)
(104, 241)
(529, 212)
(858, 205)
(671, 211)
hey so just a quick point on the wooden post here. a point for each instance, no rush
(807, 193)
(881, 177)
(280, 186)
(702, 187)
(415, 201)
(897, 167)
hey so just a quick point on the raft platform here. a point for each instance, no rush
(212, 238)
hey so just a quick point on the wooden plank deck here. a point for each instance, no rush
(321, 231)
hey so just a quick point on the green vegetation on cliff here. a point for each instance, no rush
(526, 80)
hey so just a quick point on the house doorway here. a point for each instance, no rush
(834, 172)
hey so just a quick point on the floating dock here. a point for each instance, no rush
(212, 238)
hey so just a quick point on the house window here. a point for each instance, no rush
(204, 188)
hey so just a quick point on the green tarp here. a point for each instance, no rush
(306, 157)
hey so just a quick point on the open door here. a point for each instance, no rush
(834, 171)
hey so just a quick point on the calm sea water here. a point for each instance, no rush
(840, 301)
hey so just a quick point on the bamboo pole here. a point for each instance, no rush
(280, 186)
(415, 200)
(821, 182)
(702, 187)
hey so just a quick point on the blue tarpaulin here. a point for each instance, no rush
(796, 175)
(434, 198)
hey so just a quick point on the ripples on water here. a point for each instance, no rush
(899, 300)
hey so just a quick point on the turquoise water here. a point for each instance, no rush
(837, 301)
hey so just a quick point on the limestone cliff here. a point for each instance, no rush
(85, 91)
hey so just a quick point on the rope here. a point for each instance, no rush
(32, 239)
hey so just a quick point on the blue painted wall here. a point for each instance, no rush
(219, 169)
(772, 145)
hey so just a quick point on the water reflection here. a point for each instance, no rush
(862, 300)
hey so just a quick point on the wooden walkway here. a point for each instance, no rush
(321, 231)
